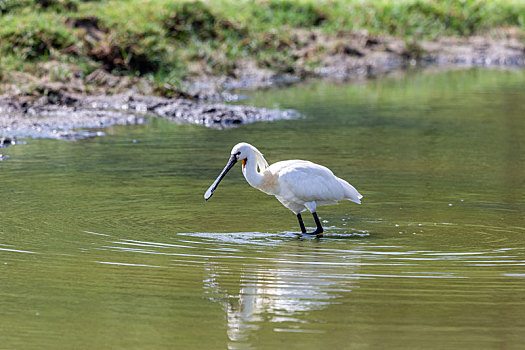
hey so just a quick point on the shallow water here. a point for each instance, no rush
(108, 243)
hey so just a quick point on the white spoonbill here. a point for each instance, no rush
(297, 184)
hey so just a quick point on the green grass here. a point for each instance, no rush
(164, 39)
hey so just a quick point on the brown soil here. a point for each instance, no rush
(58, 103)
(356, 55)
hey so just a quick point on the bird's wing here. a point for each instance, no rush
(308, 181)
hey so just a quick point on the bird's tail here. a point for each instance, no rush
(351, 193)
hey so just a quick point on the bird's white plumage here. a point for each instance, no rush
(297, 184)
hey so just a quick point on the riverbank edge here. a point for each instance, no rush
(59, 109)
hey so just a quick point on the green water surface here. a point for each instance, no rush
(108, 243)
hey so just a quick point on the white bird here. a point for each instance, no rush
(297, 184)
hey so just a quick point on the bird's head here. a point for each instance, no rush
(240, 152)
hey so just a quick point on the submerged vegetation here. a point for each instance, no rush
(167, 41)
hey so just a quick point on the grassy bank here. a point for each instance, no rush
(166, 41)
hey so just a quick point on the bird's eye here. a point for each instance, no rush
(238, 154)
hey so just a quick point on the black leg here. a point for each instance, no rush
(299, 217)
(318, 231)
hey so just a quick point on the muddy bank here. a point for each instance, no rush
(343, 56)
(67, 109)
(4, 143)
(360, 55)
(70, 116)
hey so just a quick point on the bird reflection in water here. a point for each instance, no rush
(281, 291)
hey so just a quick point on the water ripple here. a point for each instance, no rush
(126, 264)
(253, 274)
(17, 251)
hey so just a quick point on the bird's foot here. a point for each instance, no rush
(318, 232)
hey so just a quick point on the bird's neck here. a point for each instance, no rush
(249, 170)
